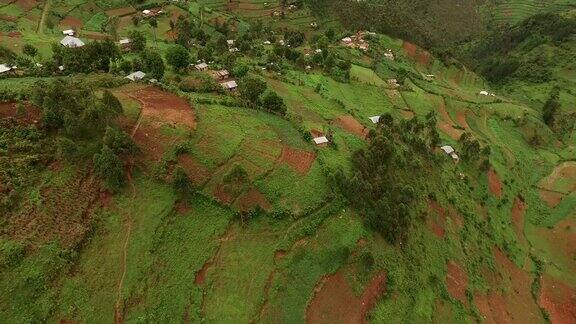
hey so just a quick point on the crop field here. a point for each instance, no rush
(514, 11)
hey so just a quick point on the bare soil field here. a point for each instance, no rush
(300, 160)
(351, 125)
(334, 300)
(510, 299)
(162, 107)
(29, 115)
(414, 52)
(494, 183)
(558, 299)
(518, 211)
(27, 5)
(457, 282)
(197, 173)
(252, 198)
(446, 124)
(71, 22)
(119, 12)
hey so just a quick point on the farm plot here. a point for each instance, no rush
(559, 184)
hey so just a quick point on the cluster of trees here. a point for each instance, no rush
(92, 57)
(503, 53)
(563, 124)
(471, 151)
(256, 94)
(84, 124)
(388, 175)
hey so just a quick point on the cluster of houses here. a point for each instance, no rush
(486, 93)
(231, 46)
(222, 76)
(389, 55)
(357, 41)
(149, 13)
(449, 150)
(6, 69)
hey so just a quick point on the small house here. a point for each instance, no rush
(61, 68)
(374, 119)
(449, 150)
(222, 74)
(125, 44)
(266, 42)
(68, 32)
(4, 69)
(233, 50)
(201, 66)
(320, 140)
(230, 42)
(229, 85)
(484, 93)
(136, 76)
(347, 40)
(71, 42)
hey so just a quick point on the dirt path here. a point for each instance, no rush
(45, 11)
(118, 311)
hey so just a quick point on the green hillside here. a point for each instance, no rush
(171, 198)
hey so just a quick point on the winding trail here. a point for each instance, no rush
(45, 11)
(118, 309)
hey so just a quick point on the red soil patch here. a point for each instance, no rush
(410, 49)
(421, 56)
(558, 299)
(222, 195)
(510, 299)
(8, 18)
(518, 211)
(197, 173)
(201, 274)
(456, 282)
(437, 225)
(14, 34)
(251, 199)
(494, 183)
(461, 119)
(351, 125)
(300, 160)
(165, 107)
(445, 122)
(27, 5)
(29, 115)
(280, 254)
(119, 12)
(71, 22)
(424, 58)
(316, 133)
(551, 198)
(105, 199)
(182, 207)
(334, 300)
(95, 35)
